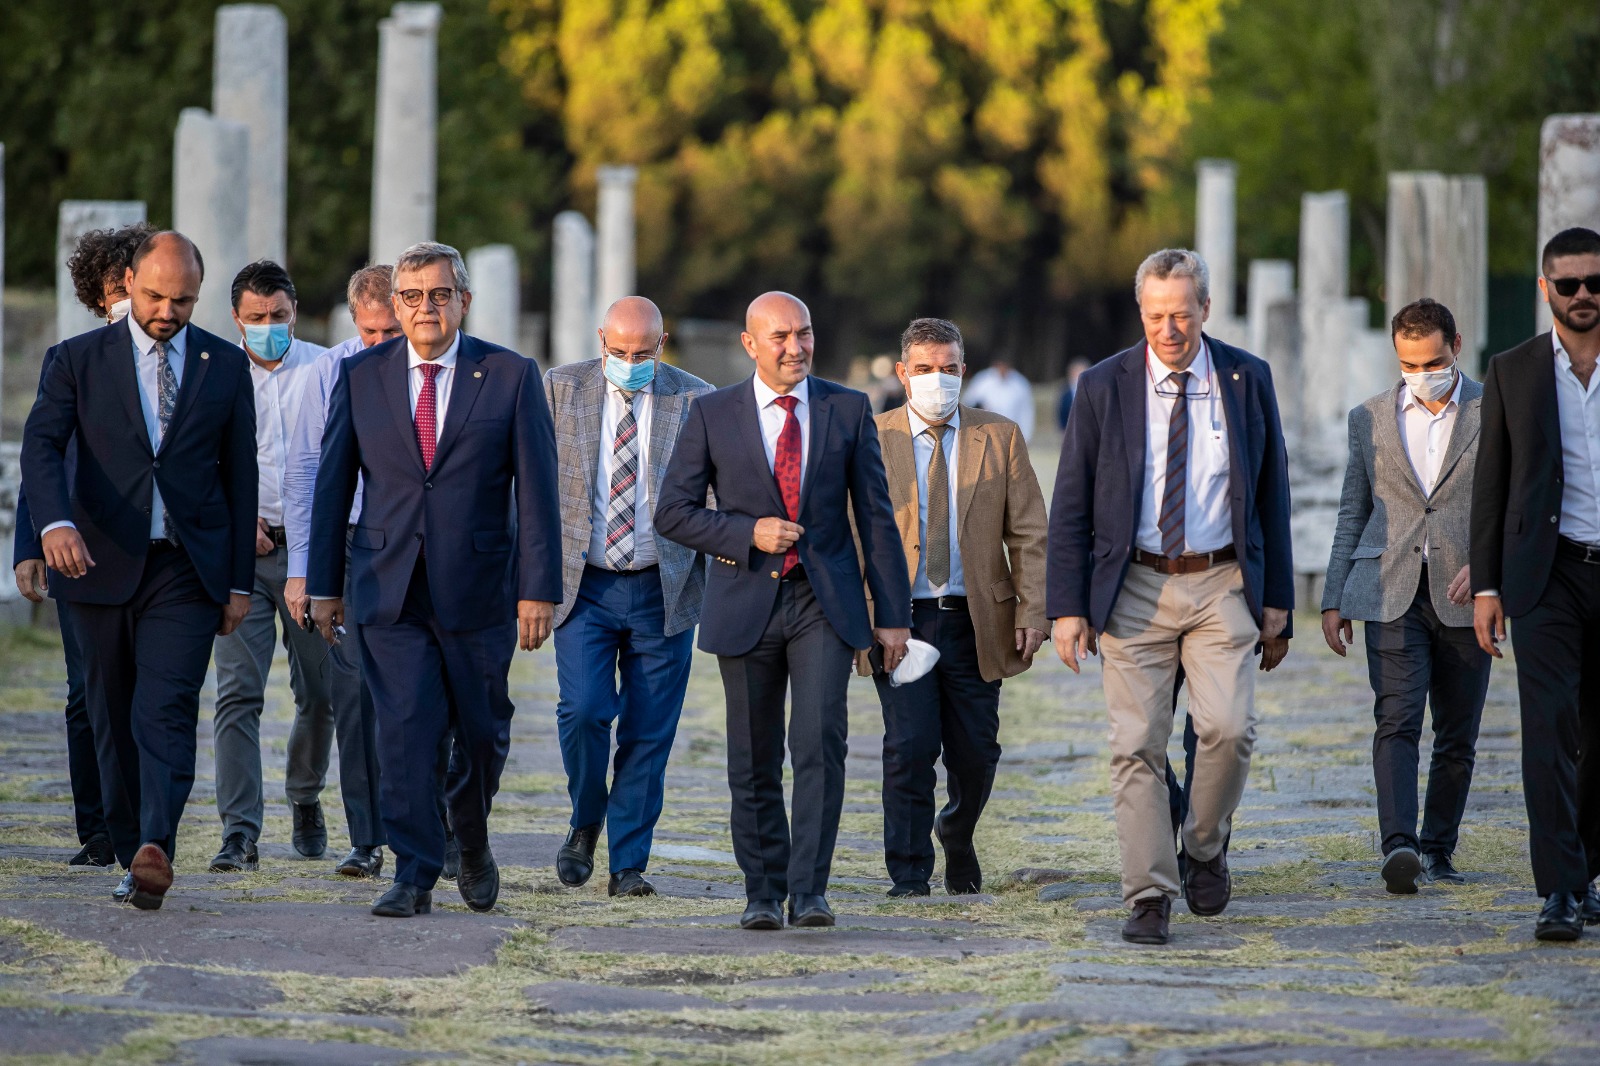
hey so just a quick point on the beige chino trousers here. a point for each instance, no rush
(1203, 621)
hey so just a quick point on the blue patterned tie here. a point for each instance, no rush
(167, 388)
(1172, 500)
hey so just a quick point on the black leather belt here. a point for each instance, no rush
(1568, 548)
(162, 544)
(279, 535)
(942, 603)
(796, 573)
(1184, 564)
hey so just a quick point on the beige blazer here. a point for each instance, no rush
(1001, 524)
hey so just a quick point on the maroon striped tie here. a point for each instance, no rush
(786, 468)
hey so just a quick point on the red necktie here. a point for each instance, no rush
(786, 468)
(428, 413)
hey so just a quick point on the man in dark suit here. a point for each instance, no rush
(151, 535)
(791, 458)
(1536, 559)
(456, 559)
(1169, 543)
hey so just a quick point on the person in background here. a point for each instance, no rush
(1001, 388)
(1069, 391)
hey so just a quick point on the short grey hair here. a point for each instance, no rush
(1174, 263)
(931, 331)
(428, 252)
(369, 286)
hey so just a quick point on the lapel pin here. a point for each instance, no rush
(205, 355)
(479, 374)
(1236, 375)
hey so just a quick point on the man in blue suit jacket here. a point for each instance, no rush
(1169, 537)
(457, 556)
(790, 457)
(151, 534)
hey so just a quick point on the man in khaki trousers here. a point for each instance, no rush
(1169, 545)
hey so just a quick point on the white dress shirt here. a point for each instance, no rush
(441, 381)
(280, 407)
(1579, 409)
(1208, 504)
(1426, 436)
(644, 530)
(922, 450)
(773, 417)
(305, 454)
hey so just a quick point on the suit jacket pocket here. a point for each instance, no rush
(491, 540)
(1368, 551)
(366, 537)
(1003, 590)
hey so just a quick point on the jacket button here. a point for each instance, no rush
(1418, 548)
(1427, 510)
(427, 484)
(418, 536)
(1552, 519)
(156, 464)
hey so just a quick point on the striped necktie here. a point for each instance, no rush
(624, 489)
(938, 531)
(1173, 498)
(167, 403)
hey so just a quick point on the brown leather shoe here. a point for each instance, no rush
(1208, 888)
(1149, 920)
(152, 876)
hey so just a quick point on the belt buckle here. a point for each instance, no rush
(1591, 554)
(941, 604)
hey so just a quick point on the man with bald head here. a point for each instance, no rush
(630, 597)
(151, 536)
(791, 458)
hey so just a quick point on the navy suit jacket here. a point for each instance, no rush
(1094, 514)
(206, 466)
(720, 448)
(487, 509)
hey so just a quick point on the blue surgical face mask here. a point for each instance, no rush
(270, 343)
(629, 377)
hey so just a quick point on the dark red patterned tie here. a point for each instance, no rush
(786, 468)
(428, 413)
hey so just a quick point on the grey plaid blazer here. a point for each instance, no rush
(1384, 516)
(577, 396)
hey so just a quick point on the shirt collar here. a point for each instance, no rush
(448, 359)
(765, 395)
(1158, 372)
(1562, 358)
(919, 424)
(143, 342)
(612, 388)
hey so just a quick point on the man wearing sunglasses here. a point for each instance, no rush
(1536, 559)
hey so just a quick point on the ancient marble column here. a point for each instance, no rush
(211, 206)
(1214, 230)
(1271, 282)
(572, 315)
(1324, 321)
(1438, 246)
(405, 141)
(250, 85)
(1370, 365)
(496, 314)
(1569, 185)
(76, 218)
(614, 275)
(2, 266)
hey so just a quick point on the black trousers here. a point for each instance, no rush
(145, 662)
(953, 710)
(800, 652)
(1558, 685)
(1413, 663)
(83, 768)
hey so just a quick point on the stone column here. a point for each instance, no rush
(1370, 365)
(1324, 288)
(1214, 229)
(614, 275)
(572, 315)
(2, 268)
(405, 141)
(1438, 246)
(250, 85)
(76, 218)
(211, 206)
(1271, 282)
(1569, 185)
(496, 314)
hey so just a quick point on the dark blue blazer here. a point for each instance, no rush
(1094, 514)
(487, 510)
(206, 467)
(721, 448)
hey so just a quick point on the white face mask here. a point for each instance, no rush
(1431, 386)
(935, 396)
(119, 311)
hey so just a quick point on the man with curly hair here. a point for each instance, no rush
(98, 265)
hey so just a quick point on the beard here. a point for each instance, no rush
(1589, 308)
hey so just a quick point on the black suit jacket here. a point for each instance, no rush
(721, 448)
(205, 468)
(487, 509)
(1516, 494)
(1094, 515)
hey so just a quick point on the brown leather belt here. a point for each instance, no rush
(1184, 564)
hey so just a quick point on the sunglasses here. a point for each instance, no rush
(1569, 286)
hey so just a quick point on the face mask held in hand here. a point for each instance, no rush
(935, 396)
(1431, 386)
(270, 343)
(629, 377)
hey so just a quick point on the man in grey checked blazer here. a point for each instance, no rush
(1399, 564)
(631, 598)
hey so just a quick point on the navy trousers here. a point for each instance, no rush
(426, 680)
(83, 768)
(614, 664)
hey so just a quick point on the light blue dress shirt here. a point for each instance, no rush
(305, 454)
(922, 450)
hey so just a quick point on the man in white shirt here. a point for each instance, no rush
(281, 370)
(1399, 564)
(1001, 388)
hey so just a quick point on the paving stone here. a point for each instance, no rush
(180, 984)
(1105, 1047)
(563, 1049)
(692, 853)
(826, 980)
(1007, 1051)
(1036, 875)
(862, 1002)
(536, 850)
(49, 1031)
(1384, 936)
(675, 887)
(574, 997)
(664, 940)
(1061, 890)
(1213, 976)
(1570, 985)
(965, 899)
(265, 1051)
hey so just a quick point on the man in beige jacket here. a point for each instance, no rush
(975, 550)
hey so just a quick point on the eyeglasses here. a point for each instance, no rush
(631, 357)
(1569, 286)
(436, 297)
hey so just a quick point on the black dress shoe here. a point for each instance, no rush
(962, 874)
(403, 901)
(124, 888)
(1401, 868)
(479, 880)
(1207, 886)
(363, 861)
(575, 860)
(1150, 921)
(762, 914)
(96, 852)
(810, 912)
(1561, 918)
(908, 888)
(310, 832)
(1440, 868)
(238, 853)
(452, 857)
(151, 871)
(1591, 907)
(629, 883)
